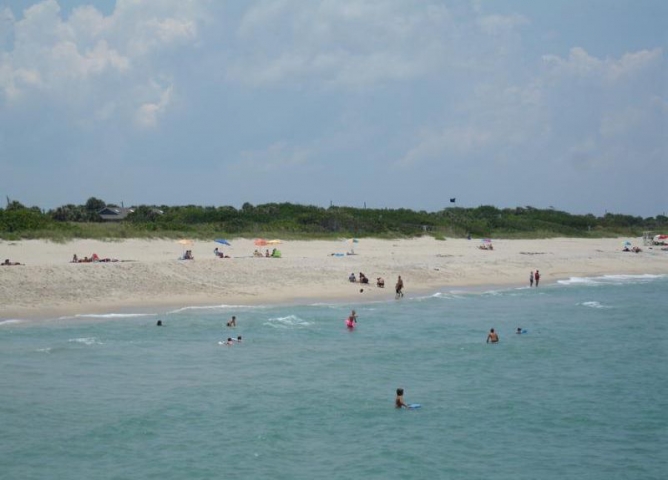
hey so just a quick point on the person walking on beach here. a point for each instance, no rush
(531, 279)
(492, 337)
(537, 277)
(399, 287)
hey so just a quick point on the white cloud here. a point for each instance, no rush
(501, 24)
(148, 113)
(580, 64)
(344, 43)
(92, 60)
(277, 156)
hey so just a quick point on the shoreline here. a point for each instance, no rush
(148, 276)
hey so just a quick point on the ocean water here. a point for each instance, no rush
(582, 394)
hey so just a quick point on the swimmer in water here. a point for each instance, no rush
(352, 320)
(233, 322)
(492, 337)
(519, 331)
(399, 401)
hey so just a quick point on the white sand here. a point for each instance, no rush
(149, 273)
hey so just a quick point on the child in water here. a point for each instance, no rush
(399, 401)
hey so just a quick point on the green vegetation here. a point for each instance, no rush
(286, 220)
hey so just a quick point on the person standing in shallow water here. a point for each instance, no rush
(531, 279)
(492, 337)
(399, 287)
(537, 277)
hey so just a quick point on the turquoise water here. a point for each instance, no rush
(583, 394)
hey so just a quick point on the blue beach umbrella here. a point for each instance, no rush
(223, 241)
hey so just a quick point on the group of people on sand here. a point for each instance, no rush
(380, 283)
(93, 258)
(486, 246)
(188, 255)
(274, 253)
(534, 277)
(632, 249)
(7, 262)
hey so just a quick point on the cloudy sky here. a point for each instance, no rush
(388, 103)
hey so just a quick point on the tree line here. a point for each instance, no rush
(84, 221)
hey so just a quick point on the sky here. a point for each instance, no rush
(377, 103)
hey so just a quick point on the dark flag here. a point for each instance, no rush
(452, 200)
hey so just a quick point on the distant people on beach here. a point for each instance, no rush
(399, 400)
(492, 337)
(257, 253)
(7, 262)
(363, 278)
(399, 287)
(351, 278)
(380, 283)
(531, 279)
(188, 255)
(536, 276)
(232, 322)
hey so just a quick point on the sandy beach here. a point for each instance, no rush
(148, 273)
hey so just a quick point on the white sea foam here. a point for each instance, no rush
(291, 321)
(593, 304)
(10, 322)
(217, 307)
(86, 340)
(113, 315)
(453, 295)
(611, 279)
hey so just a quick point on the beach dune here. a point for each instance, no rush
(149, 274)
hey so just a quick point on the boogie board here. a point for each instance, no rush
(413, 406)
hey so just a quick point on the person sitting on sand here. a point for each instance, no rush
(380, 283)
(266, 253)
(351, 278)
(363, 278)
(399, 400)
(257, 253)
(8, 263)
(492, 337)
